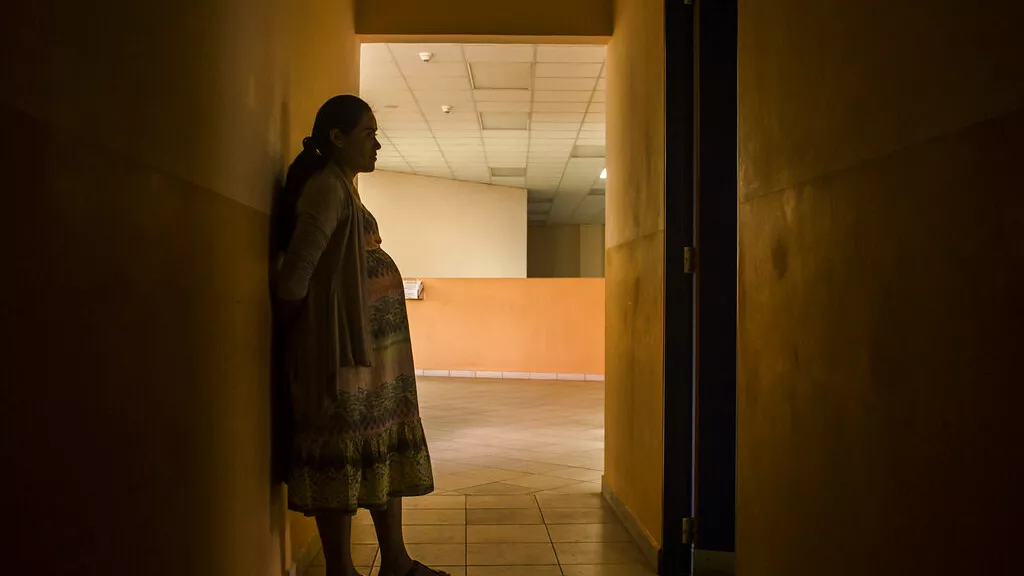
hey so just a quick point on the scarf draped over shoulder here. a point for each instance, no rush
(324, 267)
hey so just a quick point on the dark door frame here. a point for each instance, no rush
(700, 305)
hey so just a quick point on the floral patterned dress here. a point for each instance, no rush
(370, 446)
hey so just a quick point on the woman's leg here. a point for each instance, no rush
(394, 558)
(336, 538)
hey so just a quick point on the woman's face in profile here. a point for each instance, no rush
(359, 148)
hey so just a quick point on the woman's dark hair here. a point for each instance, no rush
(342, 113)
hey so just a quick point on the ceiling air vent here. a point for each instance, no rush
(507, 172)
(504, 120)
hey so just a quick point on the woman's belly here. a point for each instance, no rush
(382, 271)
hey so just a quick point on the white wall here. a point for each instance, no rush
(438, 228)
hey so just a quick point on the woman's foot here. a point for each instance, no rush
(413, 568)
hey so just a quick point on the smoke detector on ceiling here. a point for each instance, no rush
(446, 109)
(426, 56)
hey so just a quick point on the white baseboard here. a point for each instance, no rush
(648, 547)
(498, 375)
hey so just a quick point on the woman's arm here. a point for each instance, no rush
(317, 215)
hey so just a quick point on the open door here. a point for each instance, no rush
(676, 556)
(699, 506)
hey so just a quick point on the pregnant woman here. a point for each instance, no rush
(358, 440)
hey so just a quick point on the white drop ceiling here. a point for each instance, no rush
(527, 116)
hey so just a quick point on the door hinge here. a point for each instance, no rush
(689, 260)
(688, 526)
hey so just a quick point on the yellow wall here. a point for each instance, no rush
(525, 17)
(591, 251)
(565, 251)
(553, 251)
(144, 140)
(879, 296)
(440, 228)
(635, 223)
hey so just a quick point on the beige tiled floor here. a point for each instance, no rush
(517, 465)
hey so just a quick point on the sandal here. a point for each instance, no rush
(426, 571)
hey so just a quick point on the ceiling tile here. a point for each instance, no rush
(374, 53)
(462, 123)
(556, 126)
(438, 69)
(568, 70)
(392, 134)
(584, 151)
(518, 143)
(542, 137)
(557, 117)
(386, 117)
(523, 135)
(502, 95)
(477, 157)
(376, 70)
(562, 96)
(382, 83)
(559, 106)
(563, 84)
(501, 76)
(429, 143)
(447, 83)
(499, 52)
(503, 106)
(444, 133)
(508, 172)
(512, 182)
(571, 53)
(391, 101)
(404, 124)
(420, 138)
(432, 100)
(587, 165)
(459, 143)
(602, 84)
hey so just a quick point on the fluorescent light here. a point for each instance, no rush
(604, 174)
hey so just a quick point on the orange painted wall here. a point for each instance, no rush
(510, 324)
(880, 288)
(143, 144)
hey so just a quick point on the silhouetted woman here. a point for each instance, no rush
(358, 440)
